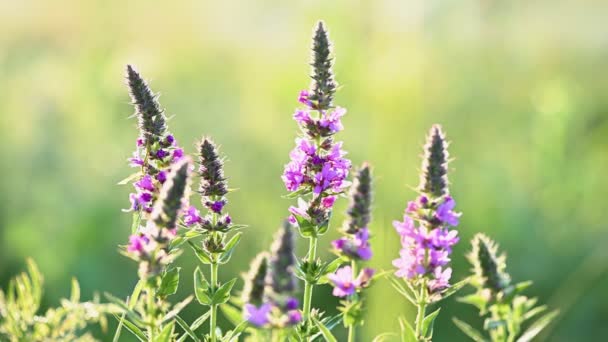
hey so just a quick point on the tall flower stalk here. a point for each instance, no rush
(427, 240)
(507, 312)
(161, 192)
(156, 148)
(151, 248)
(354, 247)
(317, 171)
(215, 228)
(269, 298)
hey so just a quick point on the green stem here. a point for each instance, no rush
(352, 328)
(312, 254)
(151, 307)
(213, 317)
(421, 311)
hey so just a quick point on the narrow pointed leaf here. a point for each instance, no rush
(329, 337)
(537, 326)
(222, 294)
(169, 283)
(407, 332)
(133, 329)
(201, 288)
(165, 334)
(427, 323)
(225, 256)
(469, 330)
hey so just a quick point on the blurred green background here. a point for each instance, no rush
(519, 86)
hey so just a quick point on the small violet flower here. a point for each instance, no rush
(258, 316)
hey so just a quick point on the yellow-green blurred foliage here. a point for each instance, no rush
(519, 86)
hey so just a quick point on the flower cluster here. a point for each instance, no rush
(318, 164)
(150, 245)
(156, 149)
(346, 284)
(213, 190)
(270, 285)
(426, 246)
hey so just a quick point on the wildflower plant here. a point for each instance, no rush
(506, 310)
(423, 272)
(354, 248)
(215, 228)
(20, 305)
(317, 171)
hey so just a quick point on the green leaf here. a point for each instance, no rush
(469, 330)
(234, 334)
(476, 300)
(411, 297)
(407, 332)
(169, 282)
(227, 253)
(135, 222)
(201, 288)
(133, 329)
(454, 288)
(222, 294)
(165, 334)
(176, 309)
(199, 321)
(537, 326)
(427, 323)
(119, 328)
(306, 228)
(298, 193)
(233, 314)
(135, 295)
(535, 311)
(129, 178)
(201, 254)
(186, 328)
(329, 337)
(75, 293)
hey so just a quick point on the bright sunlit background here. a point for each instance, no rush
(519, 86)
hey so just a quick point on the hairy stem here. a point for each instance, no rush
(312, 254)
(213, 317)
(421, 311)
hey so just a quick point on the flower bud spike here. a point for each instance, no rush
(323, 82)
(255, 280)
(211, 171)
(359, 210)
(281, 278)
(173, 195)
(151, 117)
(434, 173)
(489, 267)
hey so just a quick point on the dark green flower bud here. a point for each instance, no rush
(281, 262)
(359, 211)
(151, 118)
(213, 183)
(255, 280)
(489, 268)
(434, 173)
(323, 82)
(173, 195)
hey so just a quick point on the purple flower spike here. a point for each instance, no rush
(302, 116)
(145, 183)
(170, 139)
(137, 243)
(446, 214)
(258, 316)
(442, 279)
(161, 177)
(216, 206)
(178, 154)
(160, 154)
(344, 284)
(303, 98)
(294, 317)
(291, 303)
(192, 216)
